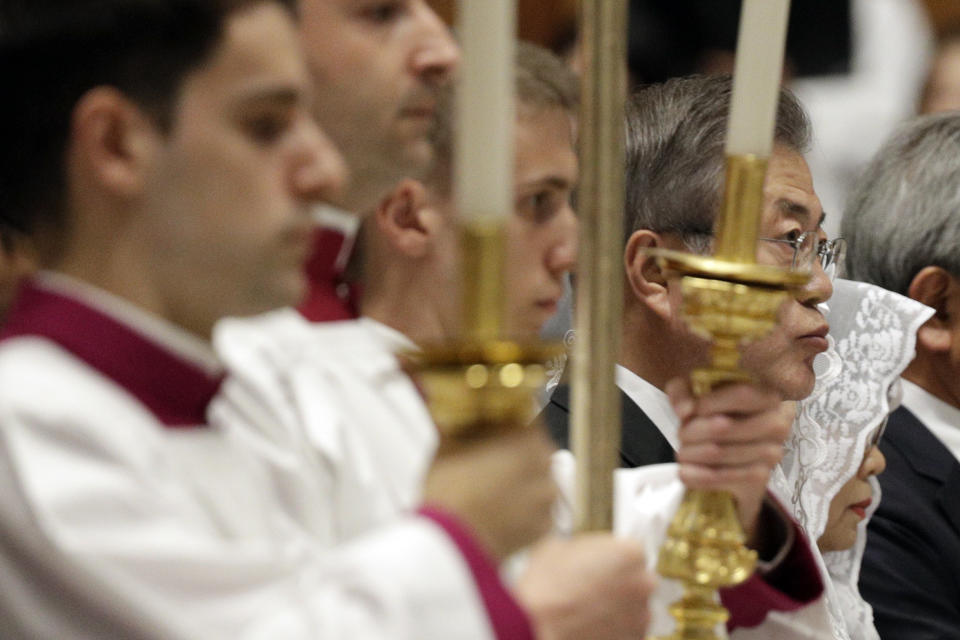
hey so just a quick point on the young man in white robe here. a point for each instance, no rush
(158, 203)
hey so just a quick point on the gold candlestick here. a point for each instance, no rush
(730, 299)
(483, 382)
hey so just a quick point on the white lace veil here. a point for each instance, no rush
(872, 340)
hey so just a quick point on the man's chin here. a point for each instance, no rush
(796, 385)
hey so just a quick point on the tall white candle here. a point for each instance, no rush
(483, 145)
(756, 76)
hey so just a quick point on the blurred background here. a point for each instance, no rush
(859, 66)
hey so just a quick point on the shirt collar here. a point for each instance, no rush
(653, 402)
(330, 296)
(941, 418)
(393, 340)
(173, 373)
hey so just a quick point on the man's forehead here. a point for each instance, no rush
(808, 213)
(258, 59)
(545, 149)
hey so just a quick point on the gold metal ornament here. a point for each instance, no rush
(729, 299)
(483, 382)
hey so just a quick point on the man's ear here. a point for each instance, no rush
(402, 218)
(936, 288)
(113, 140)
(647, 280)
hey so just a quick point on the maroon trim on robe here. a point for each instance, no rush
(791, 585)
(509, 621)
(329, 297)
(176, 391)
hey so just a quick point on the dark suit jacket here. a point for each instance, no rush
(641, 443)
(911, 568)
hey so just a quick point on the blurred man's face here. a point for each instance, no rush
(226, 210)
(783, 359)
(377, 66)
(542, 233)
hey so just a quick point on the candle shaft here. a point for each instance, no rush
(483, 157)
(756, 77)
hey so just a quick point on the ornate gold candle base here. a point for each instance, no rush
(728, 303)
(477, 388)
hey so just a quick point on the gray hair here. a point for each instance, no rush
(676, 132)
(904, 213)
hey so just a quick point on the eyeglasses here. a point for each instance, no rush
(808, 246)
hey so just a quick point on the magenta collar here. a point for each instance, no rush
(175, 390)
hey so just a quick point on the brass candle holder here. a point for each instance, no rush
(729, 299)
(482, 382)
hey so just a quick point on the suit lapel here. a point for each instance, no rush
(949, 497)
(641, 443)
(930, 458)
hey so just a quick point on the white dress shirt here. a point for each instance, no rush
(941, 418)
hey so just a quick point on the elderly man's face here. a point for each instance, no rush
(377, 66)
(783, 360)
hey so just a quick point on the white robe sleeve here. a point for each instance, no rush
(113, 526)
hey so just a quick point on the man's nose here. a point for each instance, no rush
(819, 289)
(563, 254)
(322, 173)
(438, 55)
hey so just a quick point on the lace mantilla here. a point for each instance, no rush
(872, 340)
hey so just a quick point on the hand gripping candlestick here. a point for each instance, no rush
(483, 381)
(731, 299)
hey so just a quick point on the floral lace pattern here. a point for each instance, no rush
(872, 340)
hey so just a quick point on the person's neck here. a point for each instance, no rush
(119, 270)
(651, 351)
(401, 304)
(935, 374)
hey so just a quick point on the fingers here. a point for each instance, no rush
(500, 486)
(732, 479)
(717, 455)
(770, 426)
(733, 398)
(590, 586)
(730, 440)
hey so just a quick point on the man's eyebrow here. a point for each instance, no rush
(798, 211)
(553, 182)
(280, 95)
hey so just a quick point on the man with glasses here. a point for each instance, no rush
(904, 234)
(674, 187)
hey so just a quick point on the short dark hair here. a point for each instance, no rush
(675, 137)
(52, 52)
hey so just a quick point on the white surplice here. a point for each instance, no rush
(116, 524)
